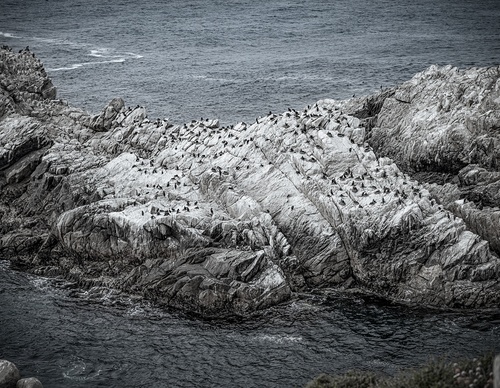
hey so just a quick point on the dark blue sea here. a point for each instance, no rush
(232, 60)
(98, 338)
(236, 60)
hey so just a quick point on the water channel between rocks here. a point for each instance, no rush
(73, 338)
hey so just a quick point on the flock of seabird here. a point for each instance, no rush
(272, 140)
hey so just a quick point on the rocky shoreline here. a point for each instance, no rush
(395, 194)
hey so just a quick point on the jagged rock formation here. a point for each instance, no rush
(444, 118)
(443, 128)
(232, 219)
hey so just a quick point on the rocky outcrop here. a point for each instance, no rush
(104, 121)
(443, 128)
(218, 220)
(442, 120)
(22, 78)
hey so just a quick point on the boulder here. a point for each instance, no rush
(30, 382)
(9, 374)
(104, 121)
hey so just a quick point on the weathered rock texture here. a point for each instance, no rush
(232, 219)
(443, 128)
(11, 378)
(9, 374)
(30, 382)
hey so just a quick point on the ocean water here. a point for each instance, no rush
(236, 60)
(73, 338)
(232, 60)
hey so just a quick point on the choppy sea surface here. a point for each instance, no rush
(239, 59)
(232, 60)
(97, 338)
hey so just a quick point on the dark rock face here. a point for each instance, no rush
(220, 220)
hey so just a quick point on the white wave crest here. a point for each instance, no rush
(136, 311)
(9, 35)
(118, 60)
(42, 284)
(279, 338)
(135, 56)
(104, 52)
(79, 370)
(99, 53)
(78, 65)
(72, 67)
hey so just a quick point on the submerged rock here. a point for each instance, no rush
(232, 219)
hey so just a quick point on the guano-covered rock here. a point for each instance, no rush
(233, 219)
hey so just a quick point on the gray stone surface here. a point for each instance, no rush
(30, 382)
(218, 220)
(9, 374)
(443, 128)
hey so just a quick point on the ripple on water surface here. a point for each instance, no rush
(100, 338)
(237, 60)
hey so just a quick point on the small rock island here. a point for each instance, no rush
(395, 194)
